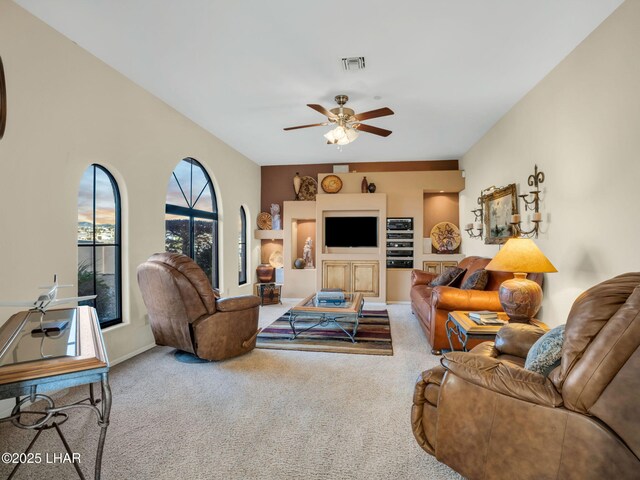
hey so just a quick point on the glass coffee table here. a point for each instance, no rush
(322, 313)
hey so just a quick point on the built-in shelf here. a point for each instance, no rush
(269, 234)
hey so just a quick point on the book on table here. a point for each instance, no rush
(483, 314)
(485, 317)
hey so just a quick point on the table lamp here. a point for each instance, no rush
(520, 298)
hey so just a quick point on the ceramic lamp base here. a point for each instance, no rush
(520, 298)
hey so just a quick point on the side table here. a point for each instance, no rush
(462, 328)
(269, 293)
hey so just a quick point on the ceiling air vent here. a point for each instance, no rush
(353, 63)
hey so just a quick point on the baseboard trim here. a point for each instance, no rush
(131, 354)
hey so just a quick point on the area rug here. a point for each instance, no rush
(373, 337)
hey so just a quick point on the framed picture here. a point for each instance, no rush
(498, 206)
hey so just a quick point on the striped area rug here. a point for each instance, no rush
(373, 337)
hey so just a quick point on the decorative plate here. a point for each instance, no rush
(264, 221)
(331, 184)
(276, 260)
(445, 237)
(308, 189)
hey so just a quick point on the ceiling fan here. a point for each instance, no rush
(348, 123)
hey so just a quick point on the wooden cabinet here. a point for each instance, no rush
(365, 277)
(438, 267)
(336, 274)
(361, 276)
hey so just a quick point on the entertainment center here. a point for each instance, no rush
(354, 235)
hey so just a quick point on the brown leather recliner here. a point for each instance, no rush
(432, 304)
(186, 313)
(487, 417)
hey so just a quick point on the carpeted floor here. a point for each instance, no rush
(271, 414)
(373, 335)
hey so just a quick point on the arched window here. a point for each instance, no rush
(192, 217)
(99, 232)
(242, 248)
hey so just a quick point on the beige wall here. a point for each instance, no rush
(581, 125)
(66, 110)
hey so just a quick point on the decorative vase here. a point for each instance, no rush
(265, 272)
(372, 187)
(297, 182)
(299, 263)
(364, 186)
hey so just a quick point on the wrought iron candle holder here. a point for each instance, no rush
(476, 229)
(531, 202)
(477, 224)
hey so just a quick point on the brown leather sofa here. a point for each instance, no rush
(432, 304)
(187, 314)
(485, 416)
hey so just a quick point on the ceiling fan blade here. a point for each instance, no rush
(370, 129)
(307, 126)
(322, 110)
(380, 112)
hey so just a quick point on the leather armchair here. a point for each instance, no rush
(432, 304)
(187, 314)
(485, 416)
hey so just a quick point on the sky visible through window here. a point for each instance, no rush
(105, 213)
(192, 195)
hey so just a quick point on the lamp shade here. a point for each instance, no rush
(520, 255)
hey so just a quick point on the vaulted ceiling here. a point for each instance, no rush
(243, 70)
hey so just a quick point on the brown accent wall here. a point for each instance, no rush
(440, 207)
(277, 180)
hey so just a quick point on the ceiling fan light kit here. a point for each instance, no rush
(341, 135)
(347, 122)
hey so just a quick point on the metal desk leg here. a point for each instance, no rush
(103, 421)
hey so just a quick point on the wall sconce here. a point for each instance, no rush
(531, 202)
(477, 222)
(476, 229)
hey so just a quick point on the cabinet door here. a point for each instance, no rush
(366, 278)
(336, 274)
(432, 267)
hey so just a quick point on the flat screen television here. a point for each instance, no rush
(351, 231)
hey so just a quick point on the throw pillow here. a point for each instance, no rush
(476, 281)
(545, 354)
(449, 277)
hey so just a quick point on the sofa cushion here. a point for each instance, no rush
(449, 277)
(476, 281)
(545, 354)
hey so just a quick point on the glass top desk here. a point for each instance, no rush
(322, 313)
(34, 360)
